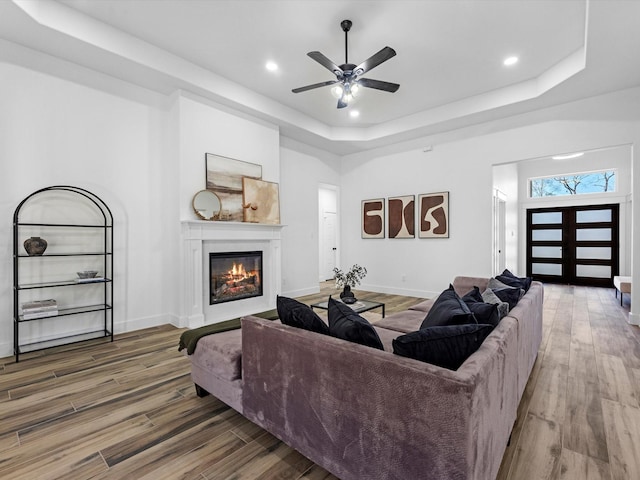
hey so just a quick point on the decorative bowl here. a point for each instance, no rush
(87, 274)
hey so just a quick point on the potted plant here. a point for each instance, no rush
(349, 280)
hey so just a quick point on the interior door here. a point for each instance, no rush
(329, 244)
(499, 232)
(573, 245)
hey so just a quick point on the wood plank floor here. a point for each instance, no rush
(128, 410)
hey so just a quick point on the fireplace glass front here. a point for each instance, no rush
(234, 276)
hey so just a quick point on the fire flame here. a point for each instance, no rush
(238, 271)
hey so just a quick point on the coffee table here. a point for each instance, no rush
(359, 307)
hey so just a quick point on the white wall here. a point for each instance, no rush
(205, 127)
(57, 132)
(302, 170)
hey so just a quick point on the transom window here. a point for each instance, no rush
(573, 184)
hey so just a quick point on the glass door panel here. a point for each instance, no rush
(593, 216)
(597, 234)
(546, 217)
(598, 253)
(546, 269)
(542, 235)
(547, 252)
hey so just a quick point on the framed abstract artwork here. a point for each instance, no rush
(434, 215)
(372, 218)
(402, 217)
(224, 177)
(260, 201)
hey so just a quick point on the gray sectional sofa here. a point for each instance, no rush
(363, 413)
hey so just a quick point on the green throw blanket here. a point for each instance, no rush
(189, 339)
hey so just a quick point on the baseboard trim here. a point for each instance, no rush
(634, 319)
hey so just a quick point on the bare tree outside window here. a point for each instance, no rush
(573, 184)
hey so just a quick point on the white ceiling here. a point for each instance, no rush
(448, 63)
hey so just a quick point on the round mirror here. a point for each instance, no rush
(207, 205)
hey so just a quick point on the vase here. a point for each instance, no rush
(347, 295)
(35, 246)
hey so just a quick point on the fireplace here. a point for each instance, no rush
(234, 276)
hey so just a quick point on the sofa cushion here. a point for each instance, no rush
(512, 280)
(220, 354)
(446, 346)
(448, 309)
(484, 312)
(489, 297)
(344, 323)
(403, 322)
(296, 314)
(423, 306)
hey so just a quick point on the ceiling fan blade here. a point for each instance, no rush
(370, 63)
(378, 84)
(326, 63)
(315, 85)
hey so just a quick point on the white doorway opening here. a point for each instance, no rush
(328, 230)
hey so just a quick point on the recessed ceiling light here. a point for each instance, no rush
(510, 61)
(568, 156)
(271, 66)
(354, 113)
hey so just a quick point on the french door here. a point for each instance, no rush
(574, 245)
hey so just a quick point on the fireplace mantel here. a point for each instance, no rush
(201, 237)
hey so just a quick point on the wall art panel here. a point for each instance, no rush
(402, 217)
(260, 201)
(373, 218)
(434, 215)
(224, 177)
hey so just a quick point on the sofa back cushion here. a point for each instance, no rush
(346, 324)
(448, 309)
(445, 346)
(296, 314)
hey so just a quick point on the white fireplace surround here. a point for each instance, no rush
(199, 238)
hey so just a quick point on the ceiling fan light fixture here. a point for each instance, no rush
(347, 84)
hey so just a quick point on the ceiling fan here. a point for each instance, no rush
(348, 80)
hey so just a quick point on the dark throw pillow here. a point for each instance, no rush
(446, 347)
(448, 309)
(506, 293)
(473, 296)
(512, 280)
(299, 315)
(346, 324)
(486, 313)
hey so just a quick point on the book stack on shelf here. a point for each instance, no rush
(39, 309)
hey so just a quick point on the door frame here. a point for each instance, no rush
(569, 244)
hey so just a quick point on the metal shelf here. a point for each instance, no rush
(103, 296)
(69, 311)
(83, 254)
(60, 341)
(63, 283)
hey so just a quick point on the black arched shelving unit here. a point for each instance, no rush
(78, 227)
